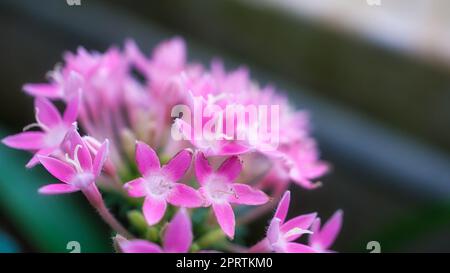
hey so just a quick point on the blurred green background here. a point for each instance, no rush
(381, 112)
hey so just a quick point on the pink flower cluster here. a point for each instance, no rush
(123, 100)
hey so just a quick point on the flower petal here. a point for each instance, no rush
(178, 235)
(299, 248)
(71, 113)
(154, 209)
(70, 144)
(283, 206)
(330, 230)
(139, 246)
(100, 158)
(135, 188)
(273, 232)
(247, 195)
(202, 168)
(57, 189)
(230, 168)
(301, 222)
(225, 217)
(57, 168)
(185, 196)
(47, 90)
(146, 158)
(178, 165)
(25, 141)
(46, 112)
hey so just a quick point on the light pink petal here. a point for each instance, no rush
(57, 168)
(283, 206)
(230, 168)
(246, 195)
(70, 144)
(178, 165)
(202, 168)
(301, 222)
(178, 235)
(146, 158)
(232, 148)
(299, 248)
(225, 217)
(25, 141)
(136, 187)
(184, 196)
(314, 238)
(58, 189)
(170, 54)
(71, 113)
(47, 113)
(273, 232)
(330, 230)
(42, 90)
(100, 158)
(154, 209)
(139, 246)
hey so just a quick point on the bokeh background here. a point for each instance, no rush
(376, 79)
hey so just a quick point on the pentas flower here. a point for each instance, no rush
(54, 128)
(281, 234)
(177, 238)
(322, 238)
(78, 171)
(158, 184)
(218, 189)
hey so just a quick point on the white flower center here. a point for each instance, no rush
(158, 185)
(218, 189)
(55, 136)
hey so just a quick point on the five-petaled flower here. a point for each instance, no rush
(78, 170)
(158, 184)
(54, 128)
(177, 238)
(218, 190)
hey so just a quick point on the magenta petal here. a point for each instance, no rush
(58, 189)
(184, 196)
(178, 236)
(225, 217)
(146, 158)
(136, 188)
(71, 113)
(57, 168)
(330, 230)
(301, 222)
(42, 90)
(154, 209)
(247, 195)
(178, 165)
(299, 248)
(232, 148)
(25, 141)
(100, 158)
(47, 113)
(139, 246)
(35, 159)
(283, 206)
(230, 168)
(202, 168)
(70, 144)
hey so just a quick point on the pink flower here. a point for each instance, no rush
(177, 238)
(281, 235)
(218, 189)
(54, 128)
(78, 171)
(158, 184)
(322, 239)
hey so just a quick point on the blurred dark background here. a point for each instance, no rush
(378, 91)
